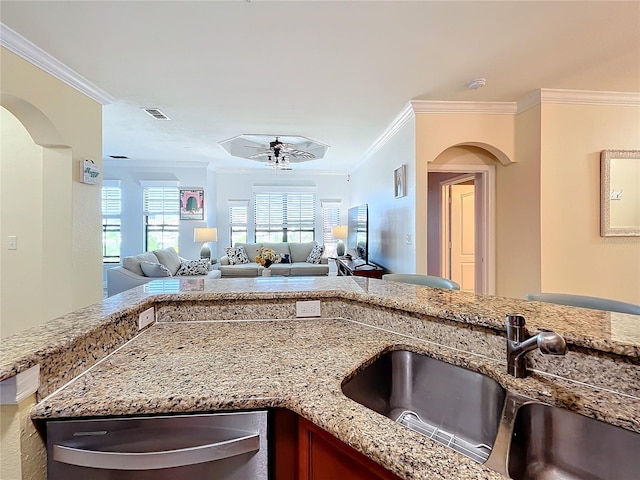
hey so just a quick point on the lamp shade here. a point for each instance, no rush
(340, 232)
(205, 234)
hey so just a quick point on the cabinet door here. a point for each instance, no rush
(324, 457)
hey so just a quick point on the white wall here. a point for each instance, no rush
(132, 220)
(240, 186)
(390, 219)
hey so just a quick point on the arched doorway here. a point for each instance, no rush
(475, 166)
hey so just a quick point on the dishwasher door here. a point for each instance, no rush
(221, 446)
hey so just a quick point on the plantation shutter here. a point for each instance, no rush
(111, 201)
(161, 200)
(285, 210)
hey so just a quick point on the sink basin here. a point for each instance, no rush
(452, 405)
(553, 443)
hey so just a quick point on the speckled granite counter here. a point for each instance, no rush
(299, 364)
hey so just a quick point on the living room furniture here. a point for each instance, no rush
(584, 301)
(417, 279)
(297, 265)
(349, 267)
(130, 274)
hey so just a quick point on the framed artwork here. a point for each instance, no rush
(400, 181)
(192, 204)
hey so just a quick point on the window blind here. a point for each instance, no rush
(285, 210)
(111, 201)
(161, 200)
(330, 218)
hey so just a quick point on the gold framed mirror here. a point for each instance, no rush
(620, 193)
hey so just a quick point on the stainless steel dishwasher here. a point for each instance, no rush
(221, 446)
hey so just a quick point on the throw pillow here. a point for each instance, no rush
(285, 259)
(169, 258)
(193, 267)
(316, 254)
(133, 263)
(154, 269)
(236, 255)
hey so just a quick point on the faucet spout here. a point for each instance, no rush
(549, 343)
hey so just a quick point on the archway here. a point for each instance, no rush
(476, 164)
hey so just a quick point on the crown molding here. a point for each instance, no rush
(578, 97)
(494, 108)
(16, 43)
(403, 117)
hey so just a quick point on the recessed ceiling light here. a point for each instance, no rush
(477, 83)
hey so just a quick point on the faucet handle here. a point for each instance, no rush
(550, 343)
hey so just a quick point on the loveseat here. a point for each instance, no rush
(295, 265)
(140, 269)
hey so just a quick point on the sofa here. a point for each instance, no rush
(297, 265)
(140, 269)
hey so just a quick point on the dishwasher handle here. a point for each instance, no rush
(85, 457)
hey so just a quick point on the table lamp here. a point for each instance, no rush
(205, 235)
(340, 232)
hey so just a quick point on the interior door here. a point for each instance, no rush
(462, 228)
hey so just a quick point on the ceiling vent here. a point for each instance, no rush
(157, 114)
(119, 157)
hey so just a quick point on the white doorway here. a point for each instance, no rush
(457, 227)
(482, 240)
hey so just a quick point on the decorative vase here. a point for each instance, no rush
(266, 272)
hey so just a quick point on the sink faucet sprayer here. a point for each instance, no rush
(549, 343)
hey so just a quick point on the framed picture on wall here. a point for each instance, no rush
(400, 181)
(192, 204)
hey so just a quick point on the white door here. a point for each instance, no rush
(462, 227)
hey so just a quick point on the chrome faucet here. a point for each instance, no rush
(549, 343)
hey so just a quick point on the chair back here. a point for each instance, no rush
(417, 279)
(584, 301)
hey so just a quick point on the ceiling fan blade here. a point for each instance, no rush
(260, 154)
(301, 154)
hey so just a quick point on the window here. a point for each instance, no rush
(161, 207)
(238, 221)
(330, 219)
(284, 217)
(111, 238)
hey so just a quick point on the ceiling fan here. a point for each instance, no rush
(276, 151)
(279, 151)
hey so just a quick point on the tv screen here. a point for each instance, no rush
(358, 232)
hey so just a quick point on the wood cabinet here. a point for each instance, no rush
(347, 267)
(301, 450)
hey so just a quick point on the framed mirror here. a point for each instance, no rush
(620, 193)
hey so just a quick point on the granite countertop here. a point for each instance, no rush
(295, 364)
(605, 331)
(200, 366)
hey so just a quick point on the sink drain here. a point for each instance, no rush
(479, 453)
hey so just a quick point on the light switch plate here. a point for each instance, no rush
(12, 243)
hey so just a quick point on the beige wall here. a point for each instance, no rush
(58, 219)
(437, 133)
(575, 258)
(22, 450)
(548, 200)
(518, 212)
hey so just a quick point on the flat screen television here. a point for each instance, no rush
(358, 232)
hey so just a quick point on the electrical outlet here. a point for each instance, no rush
(309, 308)
(146, 318)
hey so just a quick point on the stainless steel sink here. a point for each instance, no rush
(553, 443)
(452, 405)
